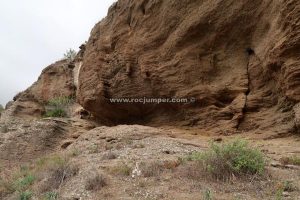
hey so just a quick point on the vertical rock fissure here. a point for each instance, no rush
(244, 109)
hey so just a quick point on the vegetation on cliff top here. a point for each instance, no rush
(70, 54)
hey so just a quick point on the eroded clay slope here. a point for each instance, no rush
(239, 59)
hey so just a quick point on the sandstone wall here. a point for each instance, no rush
(239, 59)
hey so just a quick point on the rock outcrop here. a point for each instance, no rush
(238, 59)
(55, 80)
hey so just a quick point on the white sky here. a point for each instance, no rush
(36, 33)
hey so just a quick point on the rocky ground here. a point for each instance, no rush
(135, 162)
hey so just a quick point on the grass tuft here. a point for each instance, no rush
(25, 195)
(96, 183)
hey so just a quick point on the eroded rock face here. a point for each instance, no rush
(239, 59)
(55, 80)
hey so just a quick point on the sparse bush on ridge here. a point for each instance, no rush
(235, 158)
(70, 54)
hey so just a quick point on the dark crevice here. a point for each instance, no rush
(147, 74)
(143, 7)
(250, 53)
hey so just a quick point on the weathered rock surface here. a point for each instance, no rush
(239, 59)
(55, 80)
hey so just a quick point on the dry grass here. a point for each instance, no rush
(16, 180)
(121, 169)
(152, 169)
(191, 170)
(109, 156)
(294, 160)
(58, 170)
(47, 173)
(96, 183)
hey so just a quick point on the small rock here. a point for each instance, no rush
(286, 194)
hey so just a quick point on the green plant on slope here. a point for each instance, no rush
(57, 112)
(232, 158)
(23, 183)
(57, 106)
(51, 196)
(207, 195)
(25, 195)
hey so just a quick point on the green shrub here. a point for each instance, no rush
(25, 195)
(207, 195)
(57, 107)
(19, 180)
(23, 183)
(57, 112)
(70, 54)
(234, 158)
(60, 101)
(51, 196)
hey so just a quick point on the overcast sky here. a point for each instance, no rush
(36, 33)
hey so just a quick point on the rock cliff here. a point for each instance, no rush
(238, 59)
